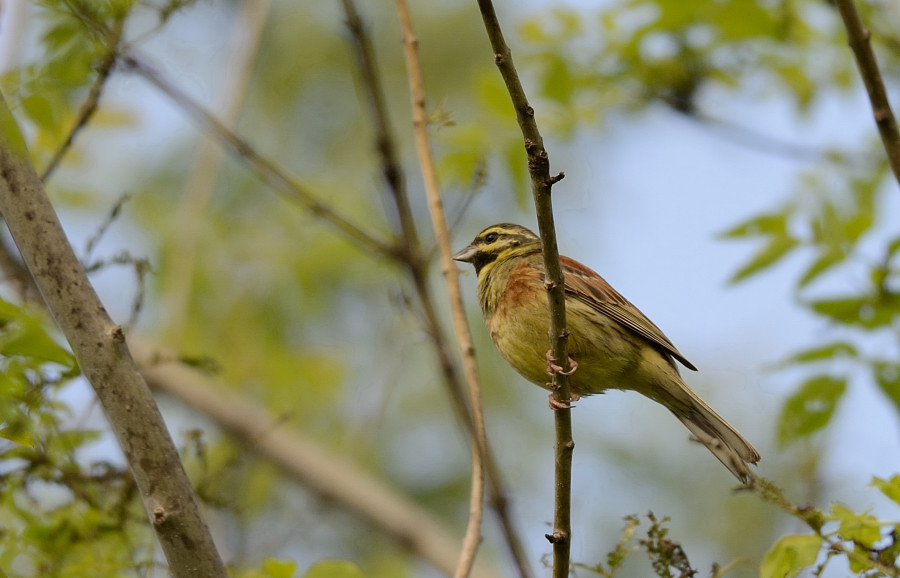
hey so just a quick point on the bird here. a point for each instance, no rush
(611, 344)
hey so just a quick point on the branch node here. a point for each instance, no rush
(116, 333)
(159, 516)
(559, 176)
(557, 537)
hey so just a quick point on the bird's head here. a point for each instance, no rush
(498, 243)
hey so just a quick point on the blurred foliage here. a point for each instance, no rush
(330, 339)
(60, 515)
(635, 53)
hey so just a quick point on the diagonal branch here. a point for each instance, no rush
(279, 180)
(90, 105)
(303, 461)
(541, 184)
(100, 348)
(273, 175)
(859, 39)
(318, 470)
(451, 277)
(416, 263)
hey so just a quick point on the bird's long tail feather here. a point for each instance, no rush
(712, 431)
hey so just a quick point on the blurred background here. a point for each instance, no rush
(677, 123)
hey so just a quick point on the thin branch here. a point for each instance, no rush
(416, 263)
(541, 184)
(273, 175)
(858, 37)
(276, 178)
(90, 105)
(320, 471)
(336, 480)
(104, 358)
(451, 277)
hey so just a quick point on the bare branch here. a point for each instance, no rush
(858, 37)
(416, 263)
(100, 348)
(273, 175)
(472, 538)
(541, 184)
(324, 474)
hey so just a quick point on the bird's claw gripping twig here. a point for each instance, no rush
(553, 367)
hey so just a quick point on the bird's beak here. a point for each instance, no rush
(466, 255)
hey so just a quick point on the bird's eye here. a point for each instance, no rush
(491, 237)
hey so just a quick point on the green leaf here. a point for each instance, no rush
(760, 225)
(860, 528)
(887, 376)
(890, 488)
(19, 435)
(557, 80)
(789, 556)
(867, 312)
(798, 81)
(822, 353)
(334, 569)
(810, 408)
(893, 247)
(828, 259)
(41, 111)
(777, 248)
(273, 568)
(21, 334)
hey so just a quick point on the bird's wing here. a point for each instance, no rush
(591, 289)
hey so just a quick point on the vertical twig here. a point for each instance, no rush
(451, 277)
(541, 184)
(859, 39)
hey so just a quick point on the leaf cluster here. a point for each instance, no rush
(870, 546)
(636, 53)
(667, 558)
(61, 515)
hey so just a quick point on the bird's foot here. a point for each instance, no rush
(557, 405)
(553, 367)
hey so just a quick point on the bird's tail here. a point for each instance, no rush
(711, 430)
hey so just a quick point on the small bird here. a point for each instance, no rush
(612, 345)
